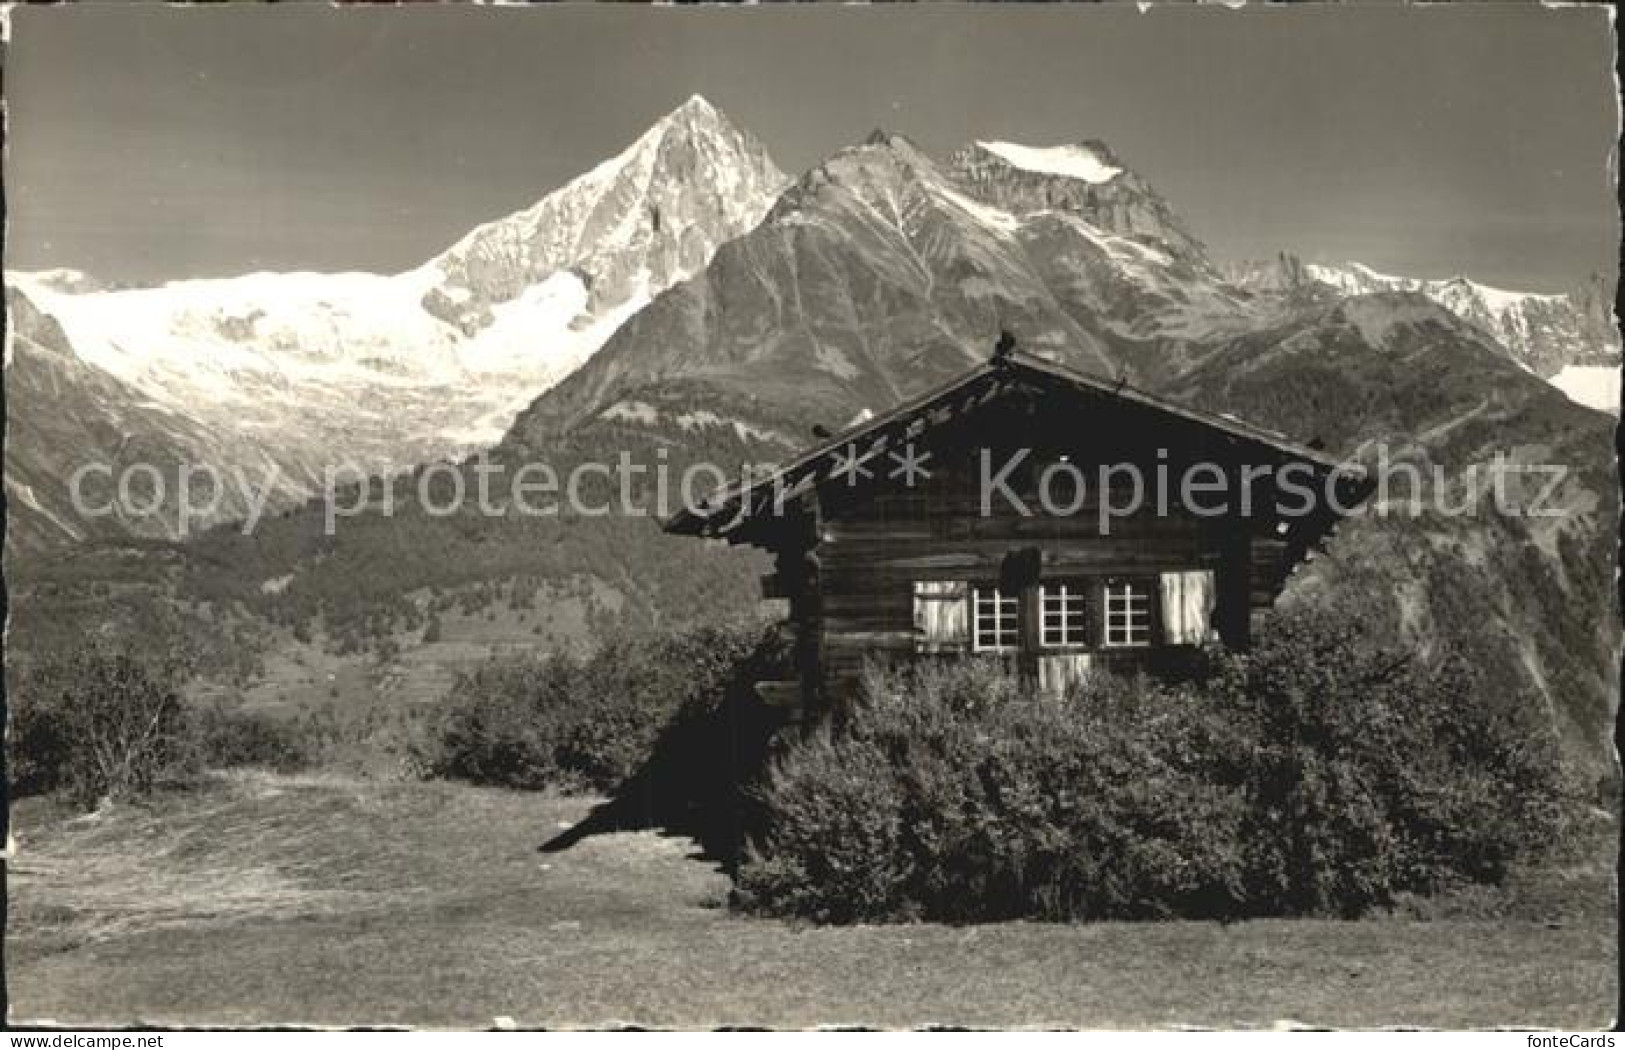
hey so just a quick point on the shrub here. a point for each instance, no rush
(105, 723)
(1025, 808)
(97, 722)
(1376, 773)
(224, 738)
(574, 723)
(837, 849)
(1319, 774)
(38, 745)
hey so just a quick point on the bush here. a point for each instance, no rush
(97, 723)
(105, 723)
(982, 812)
(38, 745)
(1319, 774)
(573, 723)
(225, 739)
(1375, 773)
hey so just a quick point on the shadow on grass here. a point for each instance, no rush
(695, 782)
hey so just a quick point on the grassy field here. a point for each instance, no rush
(327, 900)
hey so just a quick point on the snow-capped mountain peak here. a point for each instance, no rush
(1569, 338)
(1546, 331)
(882, 270)
(1085, 180)
(698, 105)
(385, 371)
(1086, 161)
(1357, 277)
(628, 228)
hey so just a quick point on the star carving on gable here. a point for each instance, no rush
(910, 465)
(850, 463)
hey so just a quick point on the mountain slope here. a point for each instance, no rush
(76, 413)
(1547, 333)
(881, 272)
(1394, 378)
(290, 374)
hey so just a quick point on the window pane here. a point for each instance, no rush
(1063, 622)
(1128, 613)
(995, 620)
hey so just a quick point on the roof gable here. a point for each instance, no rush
(746, 513)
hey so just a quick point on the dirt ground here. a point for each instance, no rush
(324, 900)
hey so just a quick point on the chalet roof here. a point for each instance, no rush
(728, 512)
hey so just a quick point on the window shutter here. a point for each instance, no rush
(1187, 606)
(941, 616)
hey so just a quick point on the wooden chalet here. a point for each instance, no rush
(882, 563)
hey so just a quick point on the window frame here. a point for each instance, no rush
(1003, 622)
(1128, 588)
(1073, 595)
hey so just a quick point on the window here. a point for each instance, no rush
(1128, 613)
(994, 616)
(1187, 606)
(941, 616)
(1063, 612)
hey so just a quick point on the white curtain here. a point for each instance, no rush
(1187, 606)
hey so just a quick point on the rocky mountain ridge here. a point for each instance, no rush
(284, 377)
(1547, 332)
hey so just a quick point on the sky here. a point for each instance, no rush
(150, 143)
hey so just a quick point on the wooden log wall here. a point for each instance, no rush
(848, 563)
